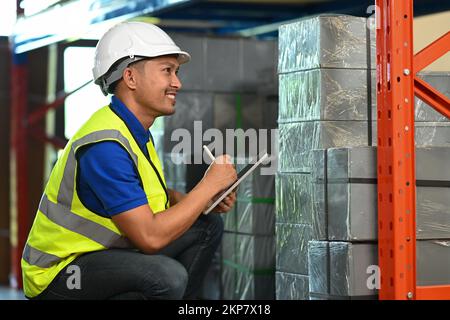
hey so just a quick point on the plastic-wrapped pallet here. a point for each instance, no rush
(297, 140)
(352, 195)
(292, 247)
(345, 269)
(326, 41)
(425, 133)
(209, 71)
(255, 209)
(325, 94)
(291, 286)
(294, 198)
(248, 266)
(174, 171)
(300, 197)
(243, 284)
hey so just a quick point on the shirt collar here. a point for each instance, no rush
(141, 135)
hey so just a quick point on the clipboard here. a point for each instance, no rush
(240, 177)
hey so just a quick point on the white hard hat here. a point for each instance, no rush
(132, 40)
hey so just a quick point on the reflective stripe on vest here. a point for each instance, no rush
(60, 214)
(65, 193)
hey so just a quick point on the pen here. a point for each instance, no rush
(209, 153)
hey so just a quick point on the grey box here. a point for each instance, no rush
(260, 66)
(426, 133)
(243, 111)
(294, 198)
(256, 185)
(291, 286)
(239, 284)
(193, 74)
(353, 266)
(221, 54)
(352, 195)
(251, 252)
(297, 140)
(230, 220)
(292, 247)
(190, 107)
(324, 94)
(349, 265)
(433, 262)
(328, 41)
(319, 195)
(319, 266)
(255, 218)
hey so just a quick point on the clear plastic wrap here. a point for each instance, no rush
(249, 251)
(291, 286)
(319, 195)
(425, 133)
(318, 267)
(292, 247)
(174, 174)
(255, 218)
(208, 71)
(324, 94)
(230, 220)
(248, 266)
(433, 262)
(352, 195)
(349, 265)
(255, 204)
(330, 41)
(297, 140)
(354, 269)
(294, 195)
(241, 284)
(256, 185)
(190, 107)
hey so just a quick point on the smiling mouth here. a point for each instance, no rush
(171, 96)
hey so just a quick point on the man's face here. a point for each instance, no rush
(158, 85)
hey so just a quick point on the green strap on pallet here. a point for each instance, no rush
(243, 269)
(256, 200)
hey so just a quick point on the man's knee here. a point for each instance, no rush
(173, 280)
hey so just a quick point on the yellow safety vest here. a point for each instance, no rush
(63, 227)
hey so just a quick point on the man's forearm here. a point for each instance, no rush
(175, 196)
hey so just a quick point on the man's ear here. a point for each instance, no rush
(129, 77)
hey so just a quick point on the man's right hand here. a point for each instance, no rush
(220, 174)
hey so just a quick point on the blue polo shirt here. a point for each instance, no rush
(108, 181)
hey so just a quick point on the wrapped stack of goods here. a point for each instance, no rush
(327, 99)
(232, 110)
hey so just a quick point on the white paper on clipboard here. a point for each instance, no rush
(241, 176)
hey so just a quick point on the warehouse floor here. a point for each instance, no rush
(7, 293)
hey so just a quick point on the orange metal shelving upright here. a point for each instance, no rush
(396, 85)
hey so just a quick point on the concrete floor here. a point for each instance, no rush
(7, 293)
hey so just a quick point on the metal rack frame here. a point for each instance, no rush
(396, 85)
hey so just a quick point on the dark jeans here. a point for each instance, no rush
(176, 272)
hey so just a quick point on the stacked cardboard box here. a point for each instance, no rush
(327, 100)
(344, 266)
(229, 84)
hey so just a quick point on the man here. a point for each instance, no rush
(107, 227)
